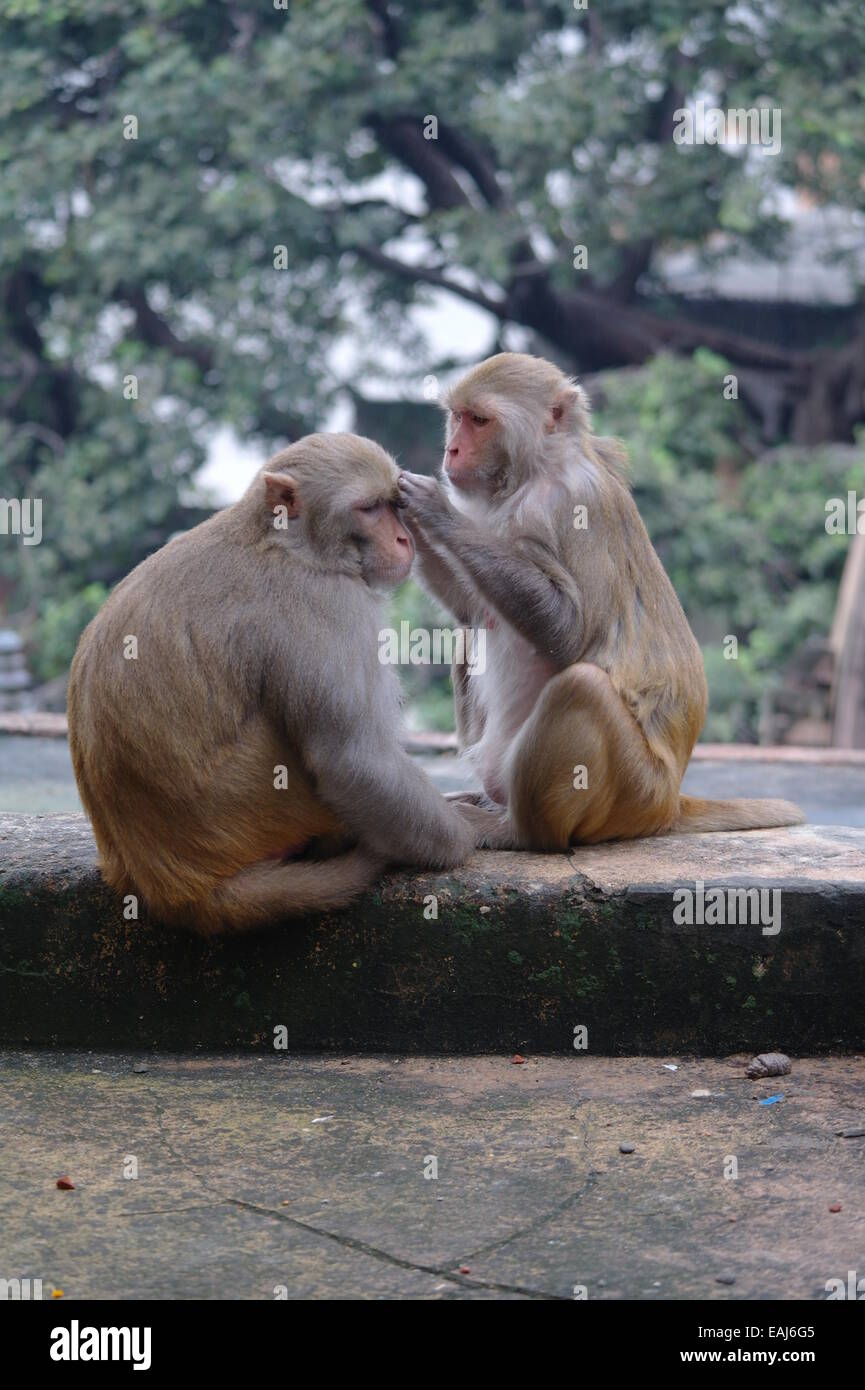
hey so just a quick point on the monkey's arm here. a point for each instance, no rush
(441, 578)
(384, 798)
(523, 581)
(522, 584)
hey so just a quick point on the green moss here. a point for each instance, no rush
(13, 897)
(553, 974)
(589, 984)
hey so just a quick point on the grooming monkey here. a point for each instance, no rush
(594, 692)
(253, 723)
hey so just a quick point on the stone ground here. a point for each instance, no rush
(36, 776)
(308, 1172)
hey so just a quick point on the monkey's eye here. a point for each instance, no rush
(369, 507)
(480, 419)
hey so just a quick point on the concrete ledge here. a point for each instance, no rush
(525, 948)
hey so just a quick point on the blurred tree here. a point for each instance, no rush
(201, 199)
(741, 534)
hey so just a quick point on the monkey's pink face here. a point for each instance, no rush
(389, 549)
(470, 439)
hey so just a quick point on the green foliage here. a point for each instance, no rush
(743, 538)
(261, 128)
(60, 624)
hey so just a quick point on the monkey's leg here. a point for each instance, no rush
(581, 770)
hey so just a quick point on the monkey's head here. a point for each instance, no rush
(506, 421)
(331, 499)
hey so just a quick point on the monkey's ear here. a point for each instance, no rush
(569, 412)
(281, 490)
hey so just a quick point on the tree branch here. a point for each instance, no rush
(420, 275)
(156, 332)
(477, 163)
(403, 138)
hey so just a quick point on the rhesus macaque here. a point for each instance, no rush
(228, 712)
(594, 692)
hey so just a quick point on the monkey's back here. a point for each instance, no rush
(637, 631)
(175, 758)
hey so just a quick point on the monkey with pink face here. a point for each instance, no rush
(593, 694)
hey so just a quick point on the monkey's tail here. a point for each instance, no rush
(695, 814)
(268, 891)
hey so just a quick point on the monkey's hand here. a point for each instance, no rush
(425, 504)
(492, 828)
(468, 798)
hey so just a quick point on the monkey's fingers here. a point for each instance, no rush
(416, 485)
(492, 828)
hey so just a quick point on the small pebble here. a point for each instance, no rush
(836, 1206)
(725, 1278)
(65, 1184)
(517, 1060)
(850, 1133)
(769, 1064)
(464, 1269)
(140, 1067)
(626, 1148)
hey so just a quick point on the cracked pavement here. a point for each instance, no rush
(303, 1177)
